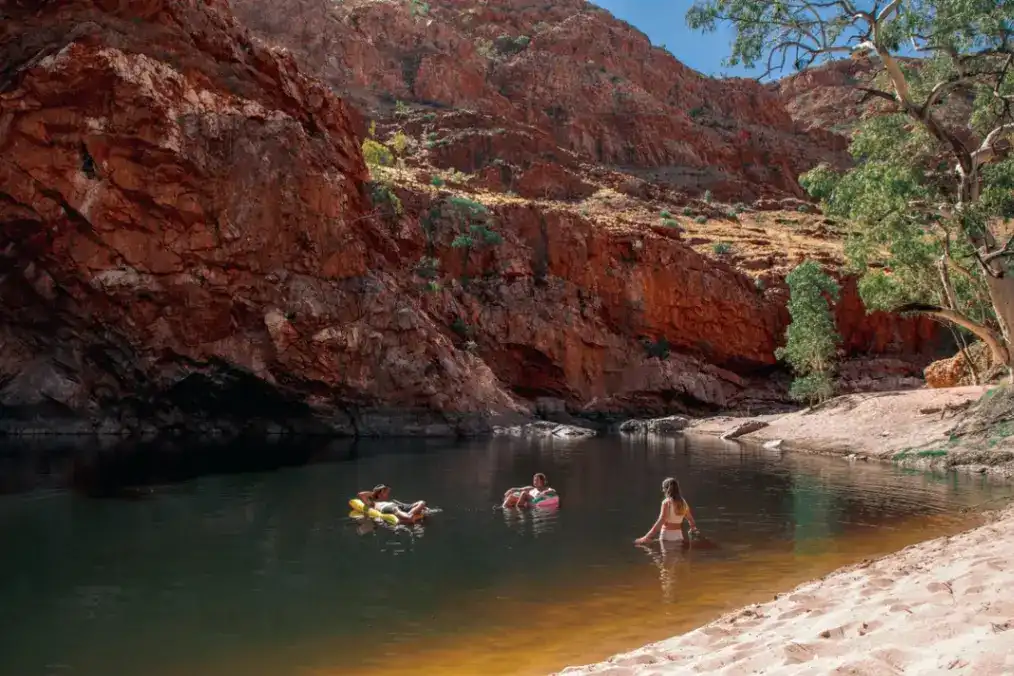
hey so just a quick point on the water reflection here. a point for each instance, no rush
(667, 557)
(265, 572)
(536, 522)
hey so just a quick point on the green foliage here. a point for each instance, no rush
(670, 223)
(659, 349)
(919, 194)
(385, 200)
(437, 182)
(463, 242)
(811, 340)
(399, 142)
(484, 47)
(400, 108)
(461, 328)
(664, 214)
(687, 211)
(468, 207)
(418, 8)
(707, 196)
(428, 267)
(812, 388)
(701, 220)
(377, 154)
(486, 236)
(721, 248)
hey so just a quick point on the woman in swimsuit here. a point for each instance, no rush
(380, 499)
(670, 516)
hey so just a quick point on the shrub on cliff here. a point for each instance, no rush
(400, 142)
(811, 340)
(929, 193)
(377, 154)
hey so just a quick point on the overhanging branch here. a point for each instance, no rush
(987, 151)
(1005, 251)
(983, 333)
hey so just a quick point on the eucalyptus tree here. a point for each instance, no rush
(931, 188)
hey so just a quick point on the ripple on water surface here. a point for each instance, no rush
(265, 573)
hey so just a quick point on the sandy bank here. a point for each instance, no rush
(961, 427)
(940, 606)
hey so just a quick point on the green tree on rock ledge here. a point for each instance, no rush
(811, 341)
(929, 196)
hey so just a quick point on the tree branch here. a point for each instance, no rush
(871, 93)
(891, 7)
(1005, 251)
(987, 151)
(983, 333)
(944, 86)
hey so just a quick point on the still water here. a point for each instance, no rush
(264, 573)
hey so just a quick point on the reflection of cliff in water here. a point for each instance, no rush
(112, 467)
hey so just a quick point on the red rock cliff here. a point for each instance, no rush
(187, 234)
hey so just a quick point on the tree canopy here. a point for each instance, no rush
(932, 181)
(811, 341)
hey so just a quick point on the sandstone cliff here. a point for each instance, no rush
(188, 234)
(185, 234)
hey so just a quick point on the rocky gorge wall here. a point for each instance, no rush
(191, 239)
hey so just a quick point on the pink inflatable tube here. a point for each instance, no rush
(552, 500)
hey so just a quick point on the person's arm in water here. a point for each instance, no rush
(521, 489)
(690, 518)
(366, 497)
(654, 528)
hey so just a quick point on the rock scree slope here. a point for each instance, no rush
(191, 237)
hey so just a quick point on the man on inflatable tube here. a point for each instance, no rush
(539, 494)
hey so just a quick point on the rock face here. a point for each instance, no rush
(185, 234)
(595, 85)
(955, 371)
(189, 237)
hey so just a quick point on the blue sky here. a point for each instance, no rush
(664, 21)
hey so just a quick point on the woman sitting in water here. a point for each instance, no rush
(522, 497)
(380, 499)
(670, 516)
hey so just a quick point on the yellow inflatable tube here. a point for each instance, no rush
(357, 510)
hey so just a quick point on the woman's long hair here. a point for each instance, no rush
(671, 488)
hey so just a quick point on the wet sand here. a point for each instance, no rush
(939, 606)
(944, 605)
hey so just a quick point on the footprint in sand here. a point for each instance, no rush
(999, 608)
(836, 632)
(864, 668)
(894, 658)
(877, 585)
(941, 588)
(634, 660)
(791, 614)
(797, 653)
(869, 627)
(994, 562)
(716, 632)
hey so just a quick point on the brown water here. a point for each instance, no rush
(264, 573)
